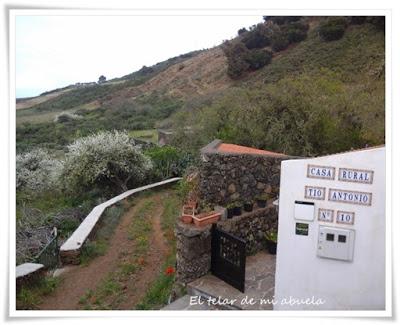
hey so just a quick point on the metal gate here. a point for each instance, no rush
(48, 256)
(228, 258)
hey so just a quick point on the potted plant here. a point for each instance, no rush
(271, 241)
(248, 206)
(237, 209)
(262, 200)
(230, 209)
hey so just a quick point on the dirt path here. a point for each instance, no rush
(77, 280)
(156, 255)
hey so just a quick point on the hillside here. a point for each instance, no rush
(182, 91)
(302, 86)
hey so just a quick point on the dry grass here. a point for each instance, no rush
(39, 99)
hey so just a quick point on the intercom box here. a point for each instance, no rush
(336, 243)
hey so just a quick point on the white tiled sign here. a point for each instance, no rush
(345, 217)
(356, 175)
(325, 215)
(323, 172)
(314, 192)
(352, 197)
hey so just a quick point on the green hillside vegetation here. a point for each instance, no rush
(159, 67)
(79, 97)
(315, 98)
(143, 113)
(354, 64)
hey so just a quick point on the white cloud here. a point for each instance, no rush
(54, 51)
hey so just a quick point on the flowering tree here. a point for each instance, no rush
(37, 170)
(105, 159)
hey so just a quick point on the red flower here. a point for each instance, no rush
(169, 270)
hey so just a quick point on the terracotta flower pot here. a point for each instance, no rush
(186, 218)
(192, 203)
(187, 213)
(204, 219)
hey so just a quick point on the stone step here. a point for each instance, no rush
(259, 286)
(197, 291)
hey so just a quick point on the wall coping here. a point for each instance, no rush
(212, 149)
(246, 215)
(79, 236)
(25, 269)
(190, 230)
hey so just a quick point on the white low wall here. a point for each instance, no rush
(78, 238)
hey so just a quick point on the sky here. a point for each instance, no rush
(56, 51)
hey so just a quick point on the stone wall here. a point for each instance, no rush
(193, 251)
(252, 226)
(226, 178)
(193, 256)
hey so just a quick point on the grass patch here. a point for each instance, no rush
(146, 135)
(98, 300)
(92, 250)
(140, 228)
(158, 294)
(160, 290)
(171, 210)
(29, 297)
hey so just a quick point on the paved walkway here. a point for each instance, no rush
(183, 303)
(259, 286)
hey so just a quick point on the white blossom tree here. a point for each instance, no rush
(105, 159)
(36, 170)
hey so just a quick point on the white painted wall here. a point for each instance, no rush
(300, 273)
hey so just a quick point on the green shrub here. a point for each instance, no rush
(296, 32)
(168, 161)
(310, 114)
(242, 31)
(184, 188)
(281, 20)
(257, 37)
(332, 28)
(258, 58)
(236, 53)
(279, 41)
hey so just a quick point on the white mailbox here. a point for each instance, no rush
(336, 243)
(304, 210)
